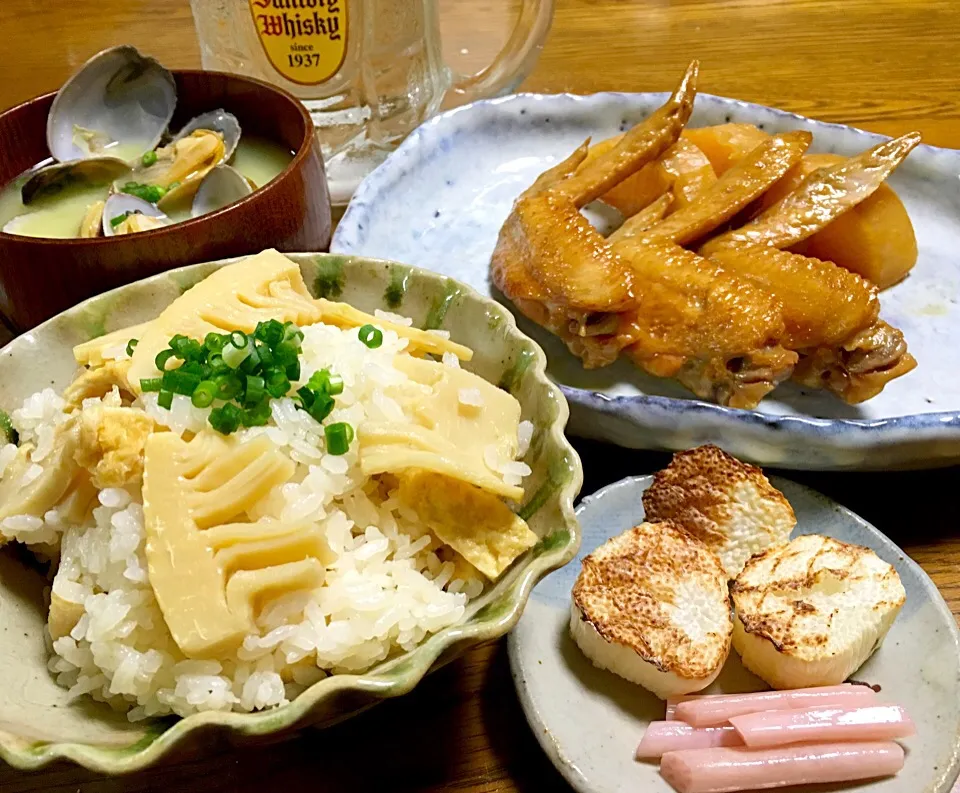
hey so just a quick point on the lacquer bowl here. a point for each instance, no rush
(39, 724)
(41, 277)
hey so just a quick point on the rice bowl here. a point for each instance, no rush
(390, 585)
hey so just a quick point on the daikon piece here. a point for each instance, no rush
(816, 725)
(732, 769)
(708, 711)
(671, 736)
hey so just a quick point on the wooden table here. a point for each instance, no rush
(885, 65)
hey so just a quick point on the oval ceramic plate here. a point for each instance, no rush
(38, 721)
(589, 721)
(440, 199)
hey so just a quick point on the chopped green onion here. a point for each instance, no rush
(286, 353)
(148, 192)
(186, 349)
(226, 418)
(251, 364)
(233, 356)
(321, 406)
(149, 158)
(270, 333)
(214, 342)
(195, 367)
(6, 426)
(116, 220)
(255, 391)
(307, 396)
(258, 415)
(244, 371)
(335, 385)
(131, 346)
(162, 358)
(172, 186)
(338, 437)
(180, 382)
(229, 386)
(324, 380)
(319, 380)
(204, 394)
(292, 333)
(265, 354)
(371, 336)
(277, 384)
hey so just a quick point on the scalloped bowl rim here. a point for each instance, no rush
(122, 760)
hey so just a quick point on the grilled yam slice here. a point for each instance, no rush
(652, 606)
(811, 612)
(728, 505)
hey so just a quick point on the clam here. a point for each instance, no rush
(92, 223)
(135, 215)
(115, 108)
(180, 166)
(118, 104)
(218, 121)
(55, 177)
(222, 186)
(184, 164)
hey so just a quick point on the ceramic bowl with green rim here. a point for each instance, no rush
(39, 723)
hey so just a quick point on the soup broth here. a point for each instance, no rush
(58, 215)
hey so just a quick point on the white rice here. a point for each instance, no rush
(391, 583)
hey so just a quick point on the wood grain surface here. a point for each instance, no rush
(885, 65)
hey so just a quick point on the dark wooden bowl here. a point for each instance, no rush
(41, 277)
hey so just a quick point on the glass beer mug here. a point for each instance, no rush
(369, 71)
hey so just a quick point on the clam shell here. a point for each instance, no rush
(119, 203)
(219, 121)
(120, 100)
(219, 188)
(50, 178)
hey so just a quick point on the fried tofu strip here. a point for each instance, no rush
(821, 198)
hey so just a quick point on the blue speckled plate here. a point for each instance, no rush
(589, 721)
(439, 200)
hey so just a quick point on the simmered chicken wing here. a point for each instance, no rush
(554, 265)
(718, 335)
(730, 325)
(821, 198)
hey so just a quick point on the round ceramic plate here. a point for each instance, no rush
(440, 199)
(589, 721)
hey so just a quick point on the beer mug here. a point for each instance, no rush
(369, 71)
